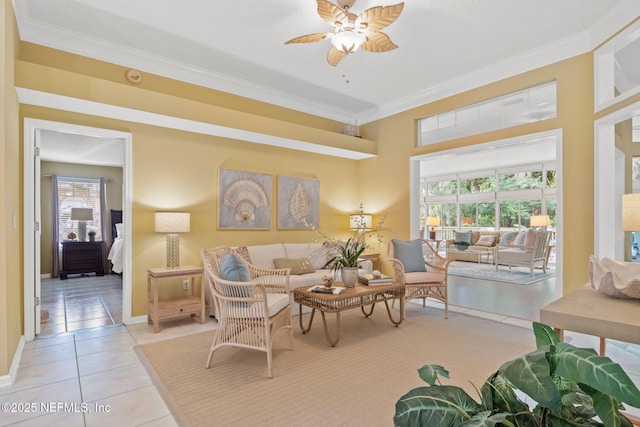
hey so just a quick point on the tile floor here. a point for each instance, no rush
(81, 302)
(99, 367)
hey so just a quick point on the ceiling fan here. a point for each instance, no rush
(353, 31)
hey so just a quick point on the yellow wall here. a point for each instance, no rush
(11, 317)
(113, 196)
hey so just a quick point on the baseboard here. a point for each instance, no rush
(10, 378)
(135, 320)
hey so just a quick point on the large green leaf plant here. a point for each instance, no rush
(571, 386)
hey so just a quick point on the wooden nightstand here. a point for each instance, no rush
(188, 305)
(82, 257)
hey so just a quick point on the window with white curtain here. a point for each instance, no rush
(75, 192)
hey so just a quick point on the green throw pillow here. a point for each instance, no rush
(463, 236)
(409, 253)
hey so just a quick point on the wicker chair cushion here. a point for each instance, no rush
(234, 268)
(423, 277)
(275, 303)
(409, 252)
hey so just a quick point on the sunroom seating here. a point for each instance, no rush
(252, 303)
(531, 253)
(417, 264)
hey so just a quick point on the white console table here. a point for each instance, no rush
(587, 311)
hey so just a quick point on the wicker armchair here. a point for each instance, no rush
(430, 283)
(248, 313)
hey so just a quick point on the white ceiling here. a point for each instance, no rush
(445, 46)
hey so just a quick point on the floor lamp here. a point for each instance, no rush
(172, 224)
(82, 215)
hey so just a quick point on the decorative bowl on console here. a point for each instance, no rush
(614, 278)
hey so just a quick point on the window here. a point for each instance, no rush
(521, 180)
(517, 108)
(78, 193)
(480, 204)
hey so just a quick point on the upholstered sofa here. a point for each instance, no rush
(306, 261)
(481, 240)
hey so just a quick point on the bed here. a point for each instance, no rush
(117, 245)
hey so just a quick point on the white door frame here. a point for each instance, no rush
(31, 228)
(608, 199)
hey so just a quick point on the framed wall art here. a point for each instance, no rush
(298, 201)
(244, 200)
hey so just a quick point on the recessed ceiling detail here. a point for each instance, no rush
(352, 31)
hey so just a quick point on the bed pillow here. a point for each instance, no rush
(409, 253)
(487, 241)
(297, 265)
(234, 268)
(119, 231)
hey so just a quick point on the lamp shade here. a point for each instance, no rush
(360, 221)
(173, 222)
(631, 212)
(81, 214)
(433, 221)
(540, 221)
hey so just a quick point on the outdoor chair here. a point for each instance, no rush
(251, 303)
(422, 270)
(532, 253)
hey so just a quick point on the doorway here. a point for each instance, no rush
(543, 148)
(33, 138)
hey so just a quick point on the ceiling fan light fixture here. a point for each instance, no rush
(348, 41)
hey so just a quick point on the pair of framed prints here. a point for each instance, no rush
(245, 201)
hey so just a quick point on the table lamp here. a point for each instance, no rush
(631, 212)
(433, 221)
(172, 224)
(82, 215)
(541, 221)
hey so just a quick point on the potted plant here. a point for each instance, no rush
(92, 235)
(570, 386)
(346, 260)
(461, 245)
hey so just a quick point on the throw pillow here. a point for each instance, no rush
(508, 237)
(409, 253)
(234, 268)
(463, 236)
(486, 241)
(243, 251)
(297, 265)
(519, 240)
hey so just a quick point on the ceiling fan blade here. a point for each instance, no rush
(331, 12)
(379, 17)
(378, 42)
(334, 56)
(309, 38)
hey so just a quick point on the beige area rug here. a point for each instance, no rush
(356, 383)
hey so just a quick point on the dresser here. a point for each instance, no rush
(82, 257)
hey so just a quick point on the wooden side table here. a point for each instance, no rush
(375, 259)
(188, 305)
